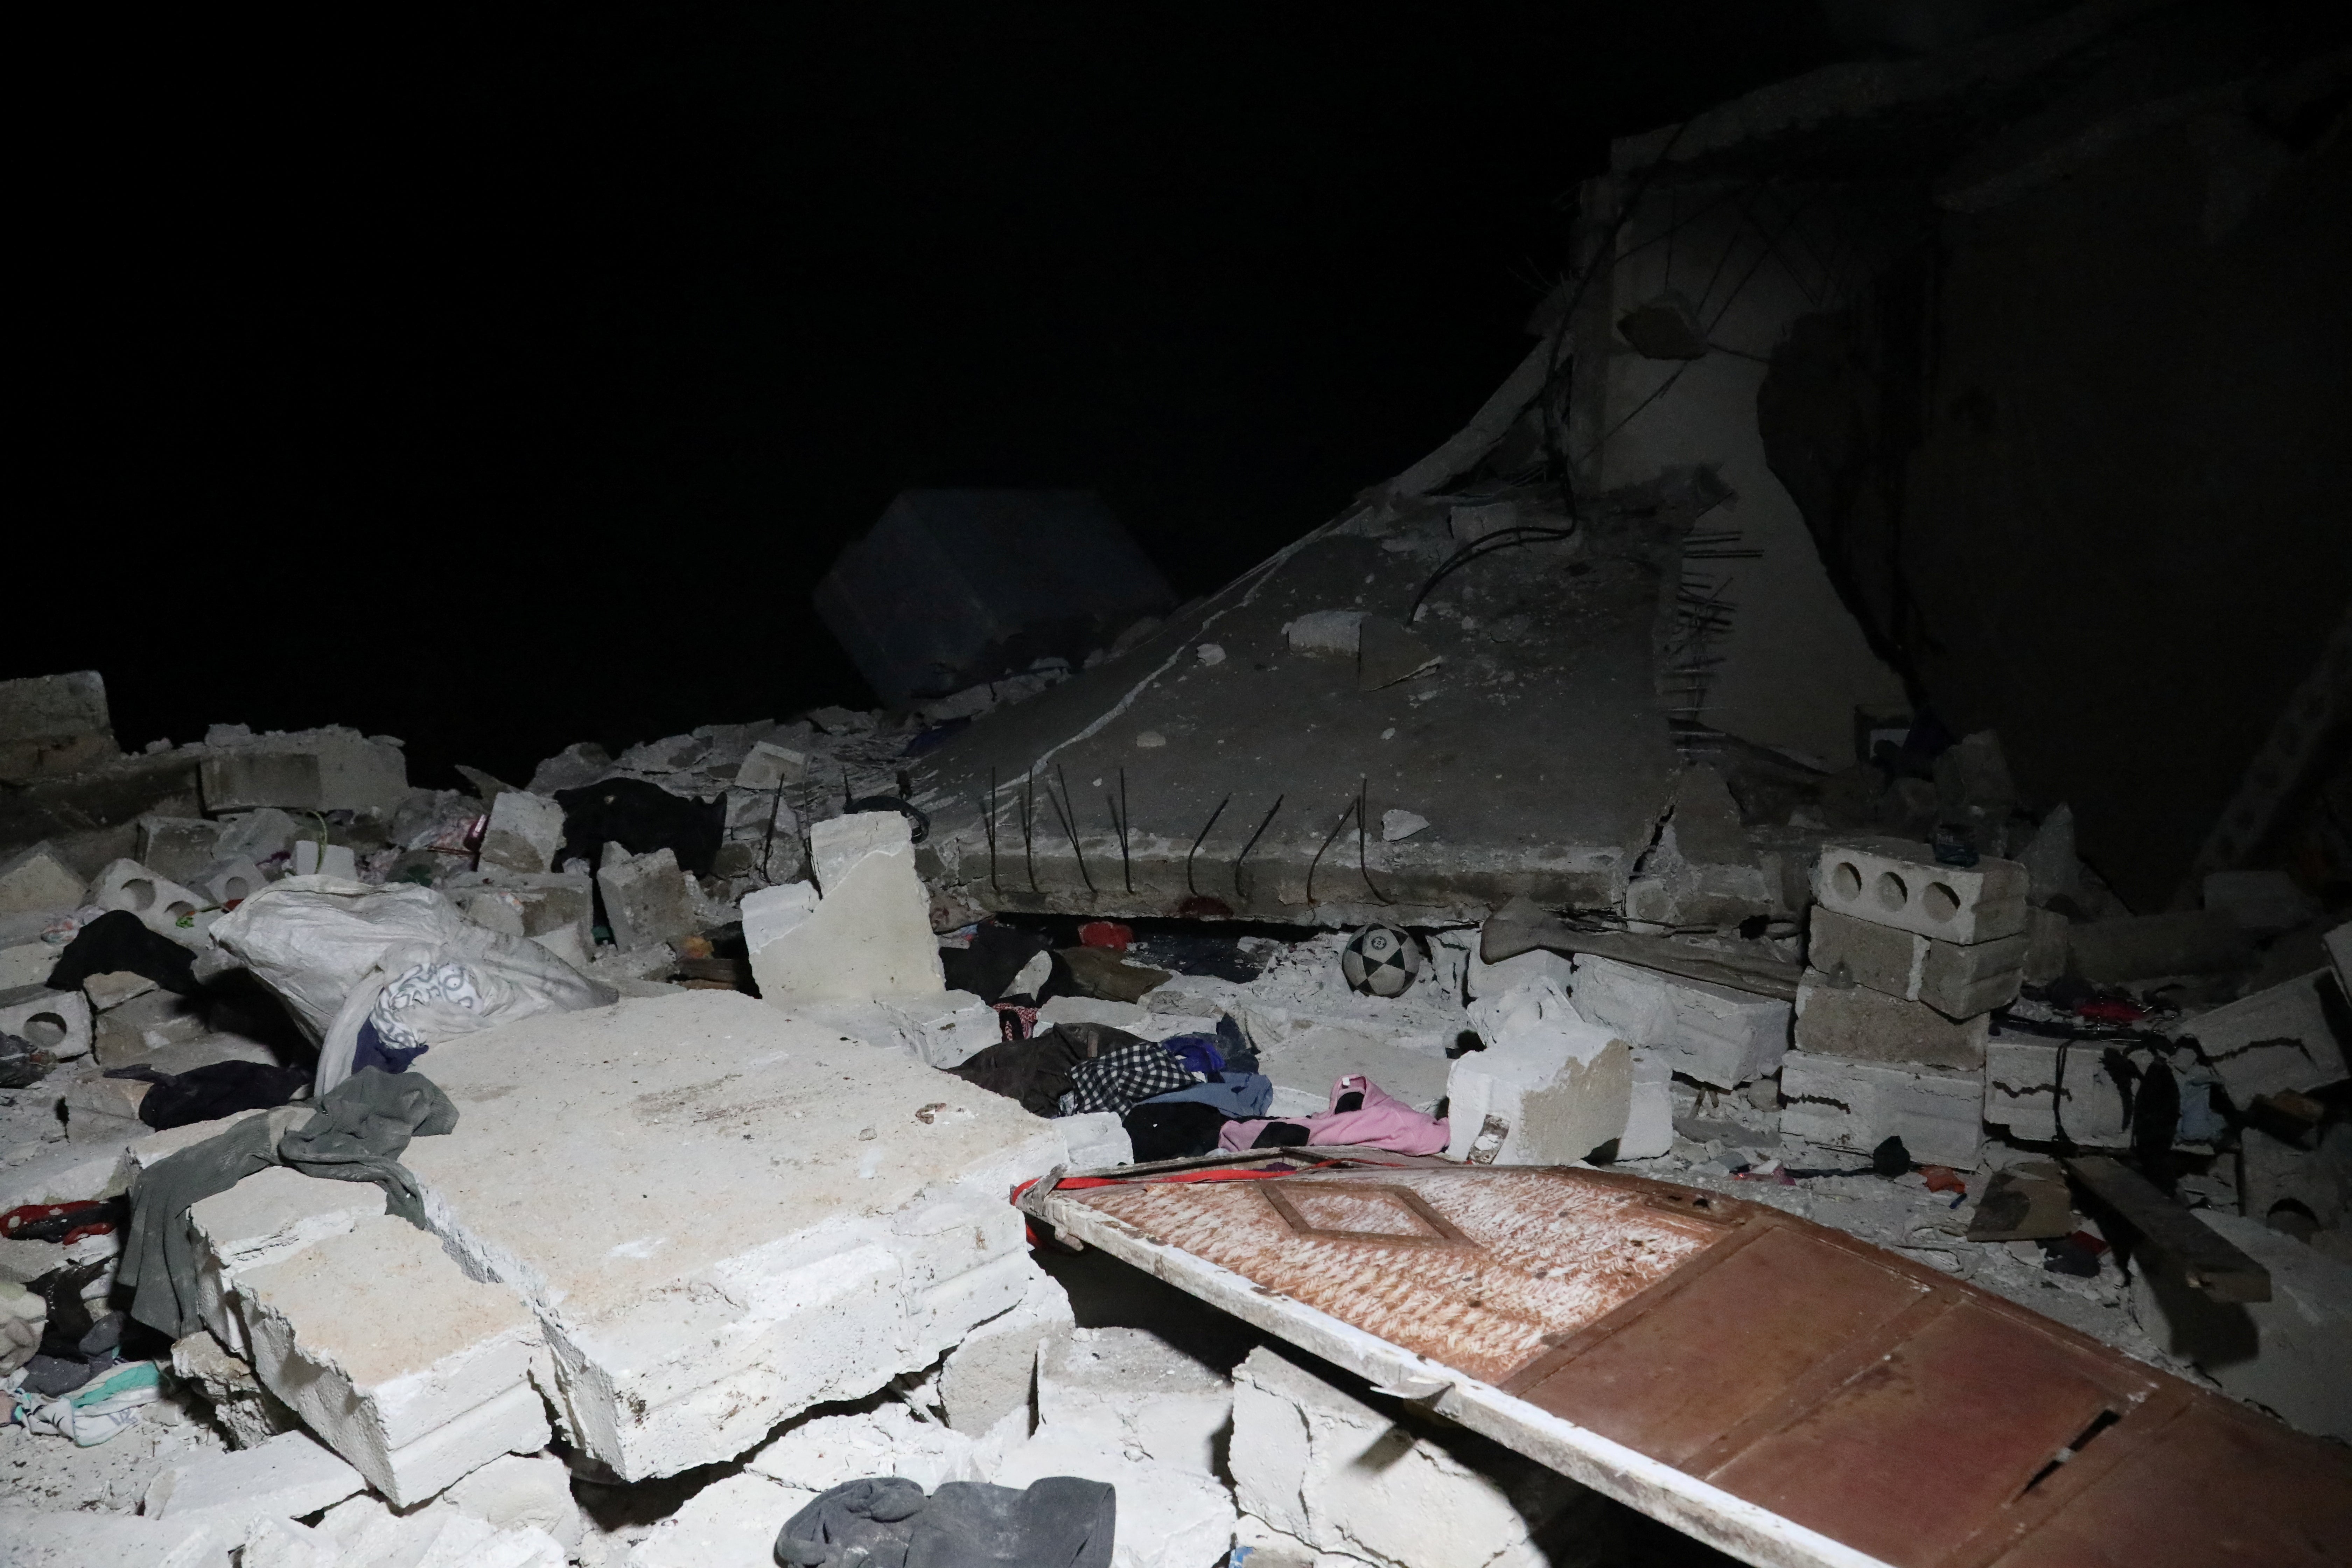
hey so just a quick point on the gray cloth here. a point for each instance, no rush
(356, 1133)
(1060, 1521)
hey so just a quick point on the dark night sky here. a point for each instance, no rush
(506, 379)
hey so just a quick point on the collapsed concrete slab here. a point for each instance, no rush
(39, 1538)
(867, 936)
(1133, 1392)
(723, 1216)
(288, 1477)
(265, 1219)
(1549, 1088)
(1318, 1470)
(2272, 1041)
(414, 1373)
(1856, 1105)
(1710, 1033)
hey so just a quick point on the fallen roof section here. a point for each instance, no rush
(1788, 1393)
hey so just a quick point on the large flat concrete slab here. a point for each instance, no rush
(723, 1214)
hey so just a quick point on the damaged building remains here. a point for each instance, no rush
(1601, 1007)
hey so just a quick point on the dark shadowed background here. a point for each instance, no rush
(505, 378)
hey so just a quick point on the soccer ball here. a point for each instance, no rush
(1381, 960)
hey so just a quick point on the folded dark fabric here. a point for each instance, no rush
(1173, 1129)
(214, 1090)
(1036, 1072)
(1061, 1521)
(116, 941)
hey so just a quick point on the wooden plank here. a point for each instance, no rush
(2213, 1267)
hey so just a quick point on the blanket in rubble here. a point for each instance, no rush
(1060, 1521)
(356, 1133)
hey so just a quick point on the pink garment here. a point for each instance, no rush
(1383, 1122)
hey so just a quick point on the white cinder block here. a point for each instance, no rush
(1841, 1104)
(289, 1475)
(869, 935)
(158, 902)
(1858, 1023)
(1326, 1469)
(1131, 1391)
(1899, 884)
(2275, 1039)
(2035, 1094)
(59, 1022)
(524, 833)
(1549, 1088)
(992, 1371)
(1958, 982)
(413, 1373)
(224, 882)
(724, 1216)
(1096, 1140)
(1650, 1114)
(1711, 1033)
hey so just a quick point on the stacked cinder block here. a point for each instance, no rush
(1907, 958)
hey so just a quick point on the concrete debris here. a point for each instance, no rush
(645, 897)
(1960, 982)
(867, 936)
(1709, 1033)
(1132, 1393)
(2273, 1040)
(2049, 1091)
(2144, 947)
(1859, 1024)
(37, 879)
(53, 724)
(1855, 1105)
(1903, 886)
(524, 832)
(161, 904)
(288, 1477)
(992, 1372)
(1400, 823)
(334, 769)
(1549, 1088)
(1335, 632)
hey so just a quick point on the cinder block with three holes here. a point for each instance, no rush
(1897, 882)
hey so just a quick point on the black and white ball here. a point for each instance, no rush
(1381, 960)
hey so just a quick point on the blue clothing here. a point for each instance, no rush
(371, 1052)
(1199, 1053)
(1237, 1094)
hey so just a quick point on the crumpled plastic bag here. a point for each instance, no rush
(329, 948)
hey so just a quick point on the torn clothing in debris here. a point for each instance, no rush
(1061, 1521)
(209, 1092)
(1172, 1128)
(116, 943)
(1361, 1114)
(1239, 1095)
(356, 1133)
(1036, 1072)
(1122, 1076)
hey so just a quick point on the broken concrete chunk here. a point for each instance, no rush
(644, 896)
(1337, 1475)
(1858, 1023)
(1900, 884)
(104, 1110)
(1956, 981)
(1330, 632)
(1131, 1391)
(2041, 1091)
(312, 859)
(115, 987)
(1304, 1063)
(179, 847)
(2025, 1202)
(38, 880)
(869, 933)
(1400, 824)
(331, 769)
(516, 1491)
(227, 881)
(2142, 947)
(1387, 653)
(1650, 1113)
(989, 1374)
(1710, 1033)
(2050, 870)
(524, 833)
(248, 1413)
(53, 724)
(2291, 1354)
(264, 1219)
(1549, 1088)
(289, 1475)
(257, 836)
(2273, 1040)
(733, 1520)
(412, 1371)
(57, 1022)
(815, 1454)
(42, 1538)
(1167, 1518)
(1857, 1105)
(771, 767)
(2047, 933)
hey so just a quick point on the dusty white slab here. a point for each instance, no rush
(1132, 1391)
(722, 1215)
(289, 1476)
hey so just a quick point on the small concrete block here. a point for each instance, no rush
(1861, 1025)
(1857, 1105)
(1650, 1114)
(179, 847)
(411, 1370)
(732, 1520)
(644, 896)
(312, 859)
(1711, 1033)
(58, 1022)
(332, 769)
(1325, 1468)
(228, 881)
(28, 964)
(2264, 903)
(2030, 1092)
(869, 935)
(990, 1372)
(35, 880)
(41, 1538)
(1326, 633)
(524, 833)
(514, 1490)
(105, 1110)
(2291, 1354)
(768, 766)
(1132, 1392)
(1096, 1140)
(1959, 982)
(1167, 1518)
(115, 987)
(64, 1173)
(248, 1413)
(1899, 884)
(1483, 979)
(2272, 1041)
(1549, 1088)
(285, 1477)
(1303, 1066)
(2143, 947)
